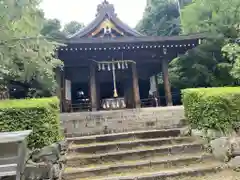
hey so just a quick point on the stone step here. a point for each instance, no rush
(126, 135)
(124, 145)
(78, 159)
(137, 166)
(154, 174)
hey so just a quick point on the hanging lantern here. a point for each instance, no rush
(126, 64)
(123, 67)
(119, 65)
(99, 67)
(118, 104)
(103, 67)
(113, 66)
(109, 68)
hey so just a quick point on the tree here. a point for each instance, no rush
(203, 66)
(216, 17)
(232, 52)
(207, 65)
(25, 55)
(161, 18)
(72, 27)
(52, 28)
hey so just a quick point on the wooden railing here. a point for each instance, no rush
(81, 106)
(150, 102)
(160, 101)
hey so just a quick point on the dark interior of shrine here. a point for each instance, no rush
(106, 90)
(79, 87)
(144, 87)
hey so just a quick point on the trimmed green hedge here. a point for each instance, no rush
(39, 115)
(212, 108)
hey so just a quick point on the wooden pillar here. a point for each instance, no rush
(68, 95)
(93, 88)
(157, 91)
(136, 95)
(167, 85)
(156, 82)
(128, 93)
(63, 92)
(98, 91)
(59, 86)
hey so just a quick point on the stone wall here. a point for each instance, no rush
(86, 123)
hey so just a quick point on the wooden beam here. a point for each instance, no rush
(93, 88)
(167, 85)
(136, 95)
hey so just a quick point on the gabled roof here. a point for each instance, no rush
(105, 17)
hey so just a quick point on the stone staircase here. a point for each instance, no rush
(144, 155)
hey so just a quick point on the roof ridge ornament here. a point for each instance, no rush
(106, 8)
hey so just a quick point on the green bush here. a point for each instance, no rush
(39, 115)
(212, 108)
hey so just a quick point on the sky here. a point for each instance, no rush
(129, 11)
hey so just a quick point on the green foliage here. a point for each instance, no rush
(206, 65)
(215, 62)
(25, 55)
(52, 29)
(203, 66)
(232, 52)
(161, 18)
(212, 108)
(216, 17)
(72, 27)
(39, 115)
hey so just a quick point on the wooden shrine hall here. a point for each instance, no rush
(108, 65)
